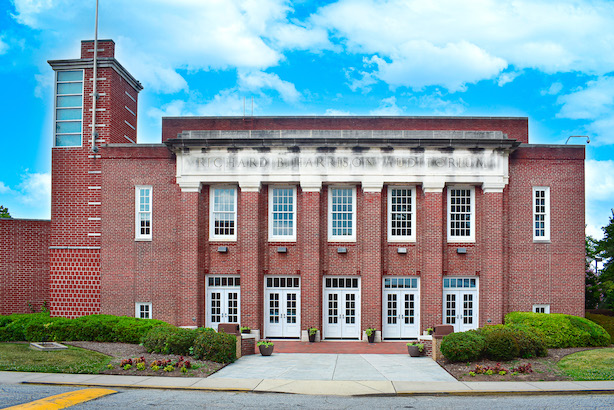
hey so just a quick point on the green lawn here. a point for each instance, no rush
(597, 364)
(19, 357)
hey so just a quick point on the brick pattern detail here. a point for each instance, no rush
(371, 249)
(432, 219)
(248, 346)
(24, 265)
(249, 255)
(309, 237)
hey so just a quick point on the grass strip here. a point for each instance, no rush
(597, 364)
(20, 358)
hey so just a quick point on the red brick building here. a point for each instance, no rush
(286, 223)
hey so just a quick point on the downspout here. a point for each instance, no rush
(95, 88)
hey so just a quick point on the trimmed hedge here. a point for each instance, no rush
(218, 347)
(607, 322)
(509, 342)
(561, 330)
(34, 327)
(170, 340)
(463, 346)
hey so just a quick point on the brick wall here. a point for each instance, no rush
(24, 265)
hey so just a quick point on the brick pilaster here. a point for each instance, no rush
(431, 277)
(309, 239)
(249, 252)
(491, 277)
(371, 270)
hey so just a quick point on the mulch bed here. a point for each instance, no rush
(544, 368)
(120, 351)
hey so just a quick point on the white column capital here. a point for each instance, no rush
(311, 185)
(249, 186)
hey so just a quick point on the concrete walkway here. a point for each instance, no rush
(320, 374)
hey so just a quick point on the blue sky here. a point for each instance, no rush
(551, 61)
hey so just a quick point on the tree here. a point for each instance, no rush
(592, 296)
(4, 212)
(605, 249)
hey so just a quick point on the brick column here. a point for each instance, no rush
(190, 292)
(431, 276)
(309, 246)
(371, 254)
(491, 301)
(248, 248)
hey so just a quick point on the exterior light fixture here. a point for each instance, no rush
(222, 249)
(461, 251)
(402, 251)
(588, 140)
(342, 250)
(282, 249)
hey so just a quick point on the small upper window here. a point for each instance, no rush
(541, 308)
(68, 108)
(143, 310)
(541, 213)
(282, 214)
(401, 214)
(143, 213)
(223, 213)
(461, 214)
(342, 214)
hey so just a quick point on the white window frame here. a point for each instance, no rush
(212, 235)
(341, 238)
(542, 306)
(546, 236)
(402, 238)
(282, 238)
(137, 310)
(461, 239)
(55, 109)
(138, 236)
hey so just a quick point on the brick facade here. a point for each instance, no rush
(24, 265)
(111, 272)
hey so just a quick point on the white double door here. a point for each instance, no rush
(401, 314)
(341, 308)
(460, 309)
(223, 300)
(282, 307)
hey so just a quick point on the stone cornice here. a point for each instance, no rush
(103, 62)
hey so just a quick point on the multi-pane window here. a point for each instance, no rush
(223, 218)
(461, 214)
(541, 213)
(282, 214)
(68, 108)
(541, 308)
(401, 214)
(342, 214)
(143, 213)
(143, 310)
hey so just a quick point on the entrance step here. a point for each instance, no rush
(340, 347)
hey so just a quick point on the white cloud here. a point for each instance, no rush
(337, 113)
(599, 176)
(4, 47)
(31, 196)
(437, 43)
(554, 89)
(591, 102)
(255, 81)
(289, 36)
(437, 104)
(507, 77)
(388, 106)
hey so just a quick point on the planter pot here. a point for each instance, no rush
(312, 338)
(371, 338)
(266, 350)
(413, 351)
(245, 332)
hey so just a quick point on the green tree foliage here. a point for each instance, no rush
(593, 286)
(4, 212)
(605, 249)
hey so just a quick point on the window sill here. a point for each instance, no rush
(222, 239)
(542, 241)
(339, 240)
(452, 241)
(142, 239)
(401, 240)
(284, 240)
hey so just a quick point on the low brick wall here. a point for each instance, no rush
(248, 346)
(428, 344)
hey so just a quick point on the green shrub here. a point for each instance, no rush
(464, 346)
(13, 327)
(501, 344)
(607, 322)
(132, 330)
(561, 330)
(531, 342)
(169, 340)
(218, 347)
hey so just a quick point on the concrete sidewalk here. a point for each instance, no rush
(313, 387)
(320, 374)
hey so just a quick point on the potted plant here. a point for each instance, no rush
(245, 329)
(428, 331)
(313, 331)
(415, 349)
(371, 334)
(265, 347)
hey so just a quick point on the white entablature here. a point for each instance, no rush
(311, 167)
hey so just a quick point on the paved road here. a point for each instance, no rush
(147, 398)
